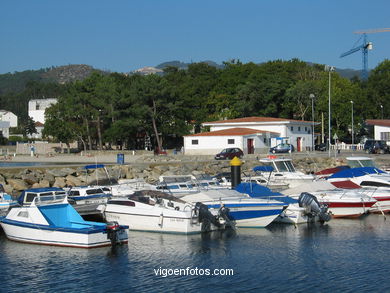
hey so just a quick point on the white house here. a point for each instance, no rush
(381, 129)
(4, 128)
(247, 139)
(36, 108)
(251, 134)
(10, 117)
(39, 127)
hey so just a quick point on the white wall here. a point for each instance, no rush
(36, 108)
(211, 145)
(303, 130)
(10, 117)
(378, 130)
(4, 128)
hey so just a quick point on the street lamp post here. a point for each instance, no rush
(329, 69)
(382, 111)
(352, 122)
(312, 119)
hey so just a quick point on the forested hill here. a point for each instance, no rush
(17, 81)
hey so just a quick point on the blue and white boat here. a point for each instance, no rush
(87, 194)
(49, 219)
(244, 211)
(6, 202)
(299, 211)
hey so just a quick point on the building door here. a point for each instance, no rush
(299, 141)
(250, 146)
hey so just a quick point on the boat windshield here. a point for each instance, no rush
(284, 166)
(361, 163)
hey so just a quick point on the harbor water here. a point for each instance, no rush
(340, 256)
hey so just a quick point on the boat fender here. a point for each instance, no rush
(161, 220)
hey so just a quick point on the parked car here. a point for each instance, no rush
(282, 148)
(372, 146)
(320, 147)
(229, 153)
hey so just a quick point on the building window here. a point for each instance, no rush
(385, 136)
(305, 128)
(195, 141)
(292, 128)
(299, 128)
(230, 141)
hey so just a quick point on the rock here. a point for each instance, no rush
(30, 178)
(63, 172)
(48, 177)
(44, 183)
(72, 181)
(18, 184)
(59, 182)
(8, 188)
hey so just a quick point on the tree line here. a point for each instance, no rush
(126, 110)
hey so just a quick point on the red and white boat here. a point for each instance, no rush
(342, 203)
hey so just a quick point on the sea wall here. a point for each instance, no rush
(149, 168)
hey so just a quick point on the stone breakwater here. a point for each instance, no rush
(148, 168)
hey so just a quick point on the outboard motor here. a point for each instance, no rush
(313, 207)
(113, 229)
(223, 217)
(206, 217)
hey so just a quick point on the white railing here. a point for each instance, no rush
(345, 146)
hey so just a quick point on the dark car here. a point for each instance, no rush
(229, 153)
(282, 148)
(320, 147)
(372, 146)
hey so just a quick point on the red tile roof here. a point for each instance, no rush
(39, 124)
(254, 119)
(378, 122)
(230, 132)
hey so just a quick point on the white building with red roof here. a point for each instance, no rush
(251, 134)
(381, 129)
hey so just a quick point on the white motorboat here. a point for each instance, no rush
(262, 176)
(244, 211)
(342, 203)
(184, 184)
(282, 171)
(49, 219)
(86, 199)
(157, 211)
(371, 180)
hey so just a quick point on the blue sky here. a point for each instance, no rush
(123, 35)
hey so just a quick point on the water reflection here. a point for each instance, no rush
(330, 257)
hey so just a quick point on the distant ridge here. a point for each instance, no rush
(346, 73)
(16, 82)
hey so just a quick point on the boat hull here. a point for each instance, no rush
(348, 209)
(250, 215)
(42, 234)
(155, 223)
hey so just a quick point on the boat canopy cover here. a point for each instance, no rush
(346, 184)
(332, 170)
(263, 169)
(94, 166)
(256, 191)
(356, 172)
